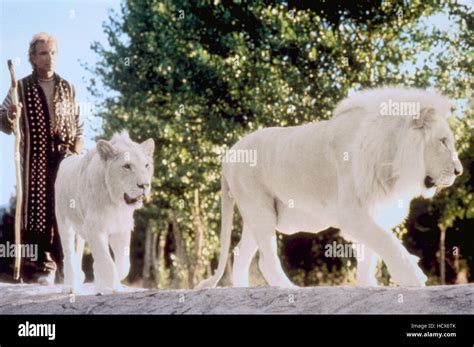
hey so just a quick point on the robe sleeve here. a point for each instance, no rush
(79, 125)
(6, 125)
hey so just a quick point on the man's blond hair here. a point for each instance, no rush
(40, 37)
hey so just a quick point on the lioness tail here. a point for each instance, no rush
(227, 205)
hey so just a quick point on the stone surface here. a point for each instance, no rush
(36, 299)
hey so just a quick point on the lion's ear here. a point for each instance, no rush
(106, 150)
(148, 147)
(425, 119)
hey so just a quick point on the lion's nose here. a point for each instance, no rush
(457, 172)
(143, 185)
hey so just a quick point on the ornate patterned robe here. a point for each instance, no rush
(45, 140)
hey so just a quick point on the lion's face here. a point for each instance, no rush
(441, 161)
(129, 169)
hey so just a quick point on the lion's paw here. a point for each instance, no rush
(107, 290)
(73, 289)
(407, 273)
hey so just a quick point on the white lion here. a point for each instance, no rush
(96, 195)
(357, 172)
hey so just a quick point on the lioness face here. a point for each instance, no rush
(441, 160)
(129, 170)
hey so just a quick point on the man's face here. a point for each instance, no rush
(45, 57)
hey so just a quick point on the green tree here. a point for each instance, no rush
(198, 75)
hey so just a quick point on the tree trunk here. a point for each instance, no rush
(442, 254)
(160, 259)
(147, 257)
(153, 268)
(181, 253)
(198, 241)
(456, 266)
(208, 270)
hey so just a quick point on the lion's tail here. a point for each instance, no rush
(227, 206)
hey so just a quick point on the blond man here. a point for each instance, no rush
(51, 130)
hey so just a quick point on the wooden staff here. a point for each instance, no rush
(19, 185)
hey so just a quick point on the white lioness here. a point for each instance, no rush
(96, 195)
(357, 172)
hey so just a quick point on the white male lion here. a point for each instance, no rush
(96, 195)
(357, 172)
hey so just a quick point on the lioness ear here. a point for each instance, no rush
(425, 119)
(148, 147)
(106, 150)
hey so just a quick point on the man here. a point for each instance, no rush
(50, 130)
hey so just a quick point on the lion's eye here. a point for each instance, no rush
(444, 141)
(127, 167)
(147, 165)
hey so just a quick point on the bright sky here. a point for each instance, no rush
(76, 24)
